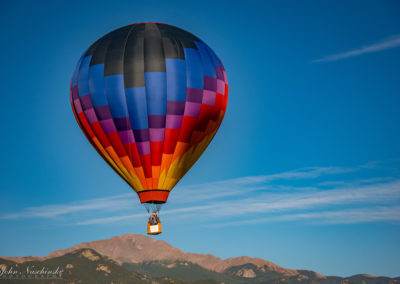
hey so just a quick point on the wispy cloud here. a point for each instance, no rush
(50, 211)
(264, 203)
(303, 173)
(387, 43)
(271, 204)
(111, 219)
(106, 220)
(348, 216)
(199, 192)
(244, 185)
(286, 196)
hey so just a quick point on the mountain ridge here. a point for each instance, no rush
(157, 258)
(129, 247)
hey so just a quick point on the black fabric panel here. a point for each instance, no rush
(114, 61)
(134, 58)
(99, 48)
(154, 59)
(92, 48)
(173, 48)
(187, 39)
(146, 47)
(99, 52)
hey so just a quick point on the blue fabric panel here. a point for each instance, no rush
(137, 107)
(176, 79)
(156, 93)
(76, 72)
(194, 69)
(96, 85)
(206, 60)
(213, 56)
(83, 86)
(115, 93)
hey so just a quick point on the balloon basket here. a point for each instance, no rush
(154, 229)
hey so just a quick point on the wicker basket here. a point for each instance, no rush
(154, 229)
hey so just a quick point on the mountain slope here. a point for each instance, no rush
(80, 266)
(152, 259)
(133, 248)
(84, 265)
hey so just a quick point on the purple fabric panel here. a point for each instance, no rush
(122, 123)
(173, 121)
(156, 134)
(78, 107)
(126, 136)
(156, 121)
(221, 87)
(108, 125)
(86, 102)
(194, 95)
(143, 147)
(225, 77)
(209, 97)
(210, 83)
(220, 74)
(175, 107)
(74, 92)
(90, 115)
(141, 135)
(192, 109)
(103, 112)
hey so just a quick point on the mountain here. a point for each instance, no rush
(79, 266)
(133, 248)
(133, 258)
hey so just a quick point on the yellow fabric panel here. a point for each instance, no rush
(161, 180)
(165, 162)
(106, 156)
(141, 177)
(117, 160)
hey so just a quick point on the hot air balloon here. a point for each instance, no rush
(149, 97)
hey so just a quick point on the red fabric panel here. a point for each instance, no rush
(156, 149)
(133, 154)
(85, 124)
(171, 138)
(146, 165)
(100, 134)
(153, 195)
(117, 144)
(188, 124)
(205, 116)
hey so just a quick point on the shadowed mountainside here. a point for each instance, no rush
(80, 266)
(138, 258)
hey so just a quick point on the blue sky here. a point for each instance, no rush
(304, 172)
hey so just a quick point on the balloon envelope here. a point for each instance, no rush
(149, 97)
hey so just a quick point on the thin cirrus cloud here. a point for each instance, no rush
(385, 44)
(282, 202)
(129, 217)
(286, 196)
(50, 211)
(377, 202)
(244, 185)
(200, 192)
(346, 216)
